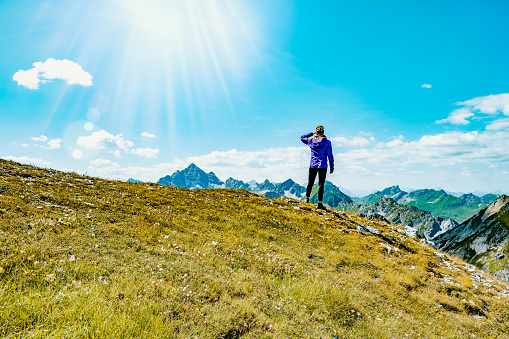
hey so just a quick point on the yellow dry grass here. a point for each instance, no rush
(84, 257)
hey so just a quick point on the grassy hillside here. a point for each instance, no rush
(87, 257)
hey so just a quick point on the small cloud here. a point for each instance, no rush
(22, 145)
(42, 138)
(104, 140)
(148, 135)
(26, 160)
(426, 85)
(145, 152)
(54, 144)
(117, 154)
(51, 69)
(457, 117)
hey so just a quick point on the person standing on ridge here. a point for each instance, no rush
(321, 149)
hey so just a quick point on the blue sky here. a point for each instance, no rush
(410, 93)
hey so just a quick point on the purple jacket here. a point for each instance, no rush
(321, 149)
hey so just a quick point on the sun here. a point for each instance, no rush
(163, 64)
(180, 53)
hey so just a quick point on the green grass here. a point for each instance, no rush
(83, 257)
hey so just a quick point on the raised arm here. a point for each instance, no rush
(305, 137)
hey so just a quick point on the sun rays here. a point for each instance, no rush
(160, 64)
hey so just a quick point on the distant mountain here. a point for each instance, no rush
(391, 192)
(288, 188)
(235, 184)
(437, 202)
(426, 225)
(191, 177)
(482, 240)
(353, 192)
(478, 193)
(131, 180)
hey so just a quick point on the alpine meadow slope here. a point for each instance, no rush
(88, 257)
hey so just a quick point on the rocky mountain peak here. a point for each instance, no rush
(385, 201)
(191, 177)
(391, 190)
(502, 203)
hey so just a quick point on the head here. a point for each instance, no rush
(319, 130)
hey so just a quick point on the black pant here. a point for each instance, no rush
(322, 173)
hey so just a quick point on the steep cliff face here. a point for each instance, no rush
(483, 239)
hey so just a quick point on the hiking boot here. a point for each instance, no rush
(321, 206)
(307, 200)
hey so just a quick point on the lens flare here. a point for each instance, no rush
(88, 126)
(100, 102)
(77, 154)
(71, 135)
(93, 115)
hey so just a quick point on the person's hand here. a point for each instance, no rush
(331, 171)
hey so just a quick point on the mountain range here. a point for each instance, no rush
(437, 202)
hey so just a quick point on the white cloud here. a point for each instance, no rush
(426, 85)
(109, 169)
(434, 150)
(145, 152)
(498, 125)
(148, 135)
(104, 140)
(431, 161)
(457, 117)
(356, 141)
(27, 160)
(54, 143)
(41, 138)
(491, 104)
(51, 69)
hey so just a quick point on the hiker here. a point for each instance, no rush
(321, 149)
